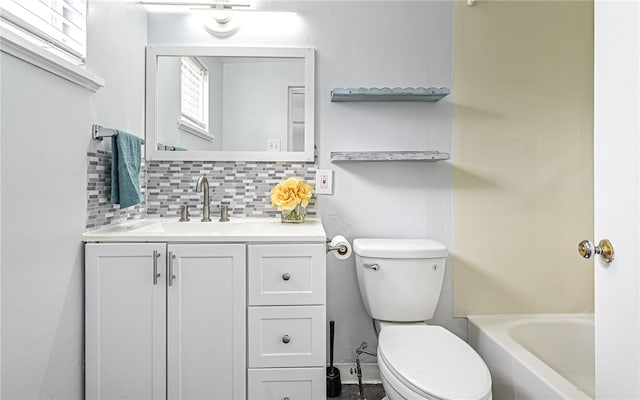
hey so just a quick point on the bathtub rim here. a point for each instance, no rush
(495, 327)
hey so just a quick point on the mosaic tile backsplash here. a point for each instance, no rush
(245, 187)
(100, 210)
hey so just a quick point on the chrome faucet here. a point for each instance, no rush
(203, 183)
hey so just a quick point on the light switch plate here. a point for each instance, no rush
(324, 181)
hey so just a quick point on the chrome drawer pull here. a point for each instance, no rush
(286, 276)
(156, 275)
(286, 339)
(171, 276)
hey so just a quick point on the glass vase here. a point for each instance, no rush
(296, 216)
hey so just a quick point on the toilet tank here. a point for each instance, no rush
(400, 279)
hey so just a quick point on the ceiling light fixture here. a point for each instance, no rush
(219, 22)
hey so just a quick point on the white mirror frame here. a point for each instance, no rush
(153, 52)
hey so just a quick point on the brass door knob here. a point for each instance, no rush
(587, 250)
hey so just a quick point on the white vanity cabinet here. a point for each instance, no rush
(287, 318)
(229, 311)
(165, 321)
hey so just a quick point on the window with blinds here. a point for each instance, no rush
(193, 91)
(59, 25)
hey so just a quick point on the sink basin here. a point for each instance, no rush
(191, 227)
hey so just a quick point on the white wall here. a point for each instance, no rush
(168, 79)
(255, 102)
(215, 100)
(378, 44)
(523, 141)
(45, 123)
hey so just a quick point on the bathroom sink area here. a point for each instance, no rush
(237, 229)
(191, 227)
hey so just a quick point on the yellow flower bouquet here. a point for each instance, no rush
(292, 196)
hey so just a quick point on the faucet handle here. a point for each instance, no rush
(224, 214)
(184, 213)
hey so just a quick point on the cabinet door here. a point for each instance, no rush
(287, 274)
(125, 330)
(206, 321)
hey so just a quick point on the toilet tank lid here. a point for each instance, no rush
(399, 248)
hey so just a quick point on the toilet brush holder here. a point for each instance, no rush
(334, 385)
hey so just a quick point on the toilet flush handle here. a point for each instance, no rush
(374, 267)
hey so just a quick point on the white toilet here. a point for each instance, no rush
(400, 282)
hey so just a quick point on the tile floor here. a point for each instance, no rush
(371, 392)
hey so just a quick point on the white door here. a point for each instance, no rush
(206, 321)
(125, 330)
(295, 119)
(617, 197)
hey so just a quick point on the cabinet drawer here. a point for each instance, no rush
(287, 274)
(287, 336)
(291, 383)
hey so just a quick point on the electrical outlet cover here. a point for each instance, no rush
(273, 145)
(324, 181)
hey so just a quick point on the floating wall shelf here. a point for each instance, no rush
(387, 94)
(346, 156)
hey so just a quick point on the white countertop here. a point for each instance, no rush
(236, 230)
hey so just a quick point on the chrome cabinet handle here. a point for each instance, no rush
(374, 267)
(286, 276)
(587, 249)
(156, 275)
(286, 339)
(171, 276)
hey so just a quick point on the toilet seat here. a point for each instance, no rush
(433, 363)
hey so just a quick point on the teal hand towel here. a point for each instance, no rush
(126, 156)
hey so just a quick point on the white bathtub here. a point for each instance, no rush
(537, 356)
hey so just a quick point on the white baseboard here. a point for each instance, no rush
(370, 373)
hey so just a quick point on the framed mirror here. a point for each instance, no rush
(230, 103)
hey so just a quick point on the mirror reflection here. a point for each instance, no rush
(221, 103)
